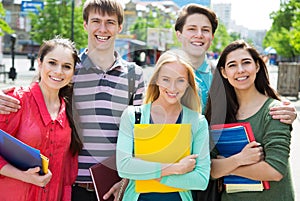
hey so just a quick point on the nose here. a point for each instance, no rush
(172, 86)
(240, 68)
(102, 27)
(199, 33)
(58, 69)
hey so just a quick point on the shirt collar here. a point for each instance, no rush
(39, 99)
(87, 63)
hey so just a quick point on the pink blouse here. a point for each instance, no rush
(33, 125)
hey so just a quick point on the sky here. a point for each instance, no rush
(253, 14)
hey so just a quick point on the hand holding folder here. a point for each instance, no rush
(229, 140)
(21, 155)
(104, 176)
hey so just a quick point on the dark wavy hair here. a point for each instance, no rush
(67, 91)
(222, 105)
(191, 9)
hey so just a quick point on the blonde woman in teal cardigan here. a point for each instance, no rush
(171, 98)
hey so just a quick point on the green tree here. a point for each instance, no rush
(4, 27)
(155, 19)
(55, 19)
(284, 34)
(221, 39)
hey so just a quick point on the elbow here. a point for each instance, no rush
(215, 174)
(277, 177)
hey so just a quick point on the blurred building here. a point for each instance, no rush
(223, 11)
(181, 3)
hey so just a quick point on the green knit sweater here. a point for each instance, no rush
(275, 137)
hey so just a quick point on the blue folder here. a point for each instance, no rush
(19, 154)
(230, 141)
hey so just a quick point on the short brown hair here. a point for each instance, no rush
(191, 9)
(109, 7)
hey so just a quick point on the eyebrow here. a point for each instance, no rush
(65, 63)
(245, 59)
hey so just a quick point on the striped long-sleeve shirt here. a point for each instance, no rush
(99, 100)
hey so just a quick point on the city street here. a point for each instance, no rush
(24, 77)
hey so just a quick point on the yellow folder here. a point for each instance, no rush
(165, 143)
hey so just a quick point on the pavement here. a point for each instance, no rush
(24, 78)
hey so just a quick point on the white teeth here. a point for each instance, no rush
(102, 38)
(241, 78)
(56, 79)
(172, 94)
(198, 44)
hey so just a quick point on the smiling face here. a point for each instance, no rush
(240, 69)
(196, 36)
(172, 82)
(56, 69)
(102, 31)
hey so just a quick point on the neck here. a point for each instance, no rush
(245, 97)
(197, 61)
(52, 101)
(249, 103)
(165, 113)
(102, 59)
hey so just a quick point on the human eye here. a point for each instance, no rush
(52, 63)
(164, 79)
(111, 22)
(181, 80)
(67, 66)
(95, 21)
(231, 65)
(206, 30)
(247, 62)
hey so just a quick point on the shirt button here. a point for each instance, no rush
(52, 122)
(51, 129)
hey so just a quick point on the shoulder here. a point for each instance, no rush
(270, 102)
(19, 93)
(194, 115)
(132, 66)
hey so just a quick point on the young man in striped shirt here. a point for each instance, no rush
(101, 89)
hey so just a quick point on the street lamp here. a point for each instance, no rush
(72, 20)
(12, 71)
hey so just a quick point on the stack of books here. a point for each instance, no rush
(230, 139)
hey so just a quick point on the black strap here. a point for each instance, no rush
(138, 114)
(131, 82)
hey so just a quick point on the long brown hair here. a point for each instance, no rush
(67, 91)
(222, 105)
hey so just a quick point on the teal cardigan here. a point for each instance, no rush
(136, 169)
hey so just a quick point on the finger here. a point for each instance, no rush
(110, 192)
(281, 110)
(33, 170)
(286, 121)
(282, 116)
(286, 102)
(253, 144)
(9, 105)
(193, 156)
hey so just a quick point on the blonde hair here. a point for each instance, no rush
(190, 98)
